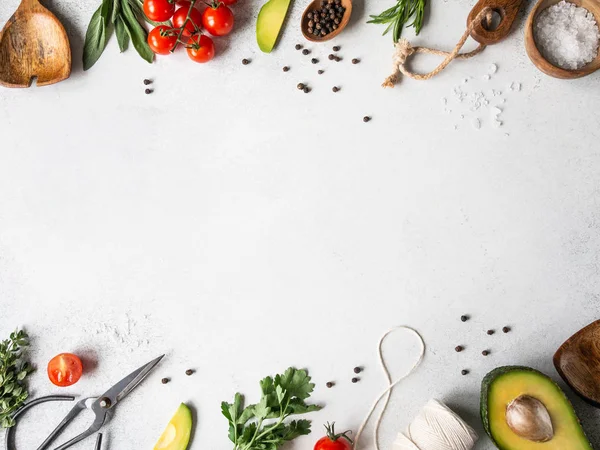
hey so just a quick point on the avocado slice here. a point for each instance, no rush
(269, 23)
(523, 409)
(177, 434)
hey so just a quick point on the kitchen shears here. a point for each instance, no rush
(100, 406)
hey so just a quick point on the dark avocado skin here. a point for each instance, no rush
(487, 382)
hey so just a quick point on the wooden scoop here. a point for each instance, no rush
(538, 59)
(33, 43)
(507, 11)
(578, 362)
(316, 4)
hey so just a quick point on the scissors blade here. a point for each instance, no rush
(120, 390)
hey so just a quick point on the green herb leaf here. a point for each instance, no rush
(400, 15)
(97, 35)
(136, 32)
(122, 35)
(13, 372)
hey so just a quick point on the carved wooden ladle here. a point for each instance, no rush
(33, 44)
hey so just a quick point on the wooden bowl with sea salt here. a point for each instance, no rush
(593, 6)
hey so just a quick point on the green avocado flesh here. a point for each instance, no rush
(177, 434)
(505, 384)
(269, 23)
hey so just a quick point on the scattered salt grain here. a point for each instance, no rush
(567, 35)
(492, 69)
(486, 77)
(476, 124)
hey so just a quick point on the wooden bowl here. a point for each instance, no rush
(578, 362)
(316, 4)
(535, 55)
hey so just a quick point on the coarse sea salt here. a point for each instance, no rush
(567, 35)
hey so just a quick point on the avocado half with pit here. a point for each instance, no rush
(523, 409)
(177, 434)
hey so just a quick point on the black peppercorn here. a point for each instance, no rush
(357, 369)
(505, 329)
(148, 91)
(314, 61)
(147, 81)
(464, 318)
(459, 348)
(336, 48)
(306, 89)
(245, 61)
(485, 352)
(164, 380)
(286, 68)
(331, 57)
(330, 384)
(300, 86)
(355, 380)
(189, 372)
(337, 59)
(320, 71)
(464, 372)
(366, 119)
(355, 61)
(335, 89)
(305, 51)
(298, 46)
(490, 332)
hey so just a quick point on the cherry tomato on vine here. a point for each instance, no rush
(201, 48)
(193, 24)
(159, 10)
(65, 369)
(217, 19)
(334, 441)
(161, 40)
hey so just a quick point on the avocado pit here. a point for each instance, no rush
(529, 418)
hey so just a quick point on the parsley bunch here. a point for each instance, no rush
(13, 371)
(262, 426)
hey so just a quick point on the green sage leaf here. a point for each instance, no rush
(136, 32)
(122, 35)
(97, 34)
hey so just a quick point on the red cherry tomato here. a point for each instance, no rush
(334, 441)
(160, 42)
(192, 25)
(159, 10)
(218, 19)
(65, 369)
(201, 48)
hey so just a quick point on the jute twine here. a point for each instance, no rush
(404, 50)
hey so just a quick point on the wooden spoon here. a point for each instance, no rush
(507, 10)
(33, 43)
(316, 4)
(578, 362)
(538, 59)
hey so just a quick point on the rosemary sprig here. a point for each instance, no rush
(405, 13)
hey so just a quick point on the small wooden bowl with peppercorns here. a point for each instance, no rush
(325, 19)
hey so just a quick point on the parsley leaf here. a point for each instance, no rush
(263, 426)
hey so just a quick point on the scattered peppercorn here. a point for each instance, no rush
(366, 119)
(464, 318)
(464, 372)
(245, 61)
(298, 46)
(335, 89)
(306, 89)
(305, 51)
(148, 91)
(355, 61)
(485, 352)
(300, 86)
(357, 369)
(459, 348)
(505, 329)
(330, 384)
(355, 380)
(490, 332)
(314, 61)
(337, 59)
(331, 56)
(336, 48)
(147, 81)
(189, 372)
(164, 380)
(286, 68)
(320, 71)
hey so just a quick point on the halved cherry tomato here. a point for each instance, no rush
(159, 10)
(65, 369)
(201, 48)
(334, 441)
(217, 19)
(160, 41)
(192, 25)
